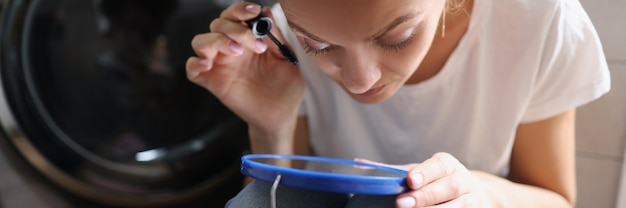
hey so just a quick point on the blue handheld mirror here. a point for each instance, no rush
(325, 174)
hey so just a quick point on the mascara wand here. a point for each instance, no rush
(261, 26)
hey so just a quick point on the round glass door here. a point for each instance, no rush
(99, 92)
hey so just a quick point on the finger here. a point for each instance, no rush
(241, 11)
(438, 166)
(437, 192)
(462, 201)
(208, 45)
(209, 75)
(238, 33)
(195, 66)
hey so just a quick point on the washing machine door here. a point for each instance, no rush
(95, 98)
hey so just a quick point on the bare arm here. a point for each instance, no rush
(301, 138)
(542, 166)
(293, 140)
(542, 173)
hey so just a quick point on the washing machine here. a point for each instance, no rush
(96, 107)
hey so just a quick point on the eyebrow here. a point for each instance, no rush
(389, 27)
(304, 32)
(394, 24)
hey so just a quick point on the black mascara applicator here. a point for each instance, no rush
(261, 26)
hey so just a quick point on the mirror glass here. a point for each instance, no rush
(332, 166)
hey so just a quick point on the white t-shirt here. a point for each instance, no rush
(519, 62)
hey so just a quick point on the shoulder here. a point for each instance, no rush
(528, 8)
(531, 14)
(536, 26)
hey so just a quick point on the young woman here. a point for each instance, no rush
(476, 98)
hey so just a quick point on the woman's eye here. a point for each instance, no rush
(397, 42)
(315, 47)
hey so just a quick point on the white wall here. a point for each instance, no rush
(601, 134)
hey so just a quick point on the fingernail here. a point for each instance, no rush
(236, 48)
(417, 179)
(261, 45)
(253, 8)
(406, 201)
(205, 63)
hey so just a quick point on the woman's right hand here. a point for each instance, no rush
(247, 74)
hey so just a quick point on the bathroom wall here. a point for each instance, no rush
(601, 134)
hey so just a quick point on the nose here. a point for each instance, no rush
(359, 71)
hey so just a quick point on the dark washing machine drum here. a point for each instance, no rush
(95, 98)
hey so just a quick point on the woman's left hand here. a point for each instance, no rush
(442, 181)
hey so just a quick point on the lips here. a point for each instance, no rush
(372, 92)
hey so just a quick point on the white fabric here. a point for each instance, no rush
(520, 61)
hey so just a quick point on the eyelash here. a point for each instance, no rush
(310, 50)
(387, 47)
(398, 46)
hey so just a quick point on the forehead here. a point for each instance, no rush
(350, 18)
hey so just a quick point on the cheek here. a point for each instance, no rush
(407, 60)
(328, 66)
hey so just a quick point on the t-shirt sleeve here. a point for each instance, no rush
(573, 70)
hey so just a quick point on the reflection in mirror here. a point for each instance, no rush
(332, 166)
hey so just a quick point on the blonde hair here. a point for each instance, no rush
(451, 6)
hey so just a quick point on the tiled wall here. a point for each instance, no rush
(601, 134)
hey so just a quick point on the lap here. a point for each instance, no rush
(257, 194)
